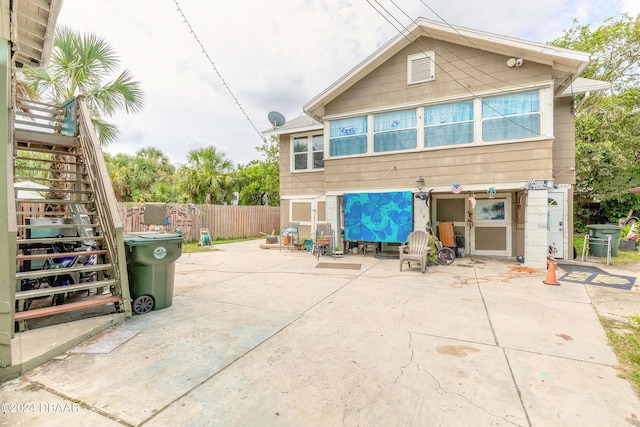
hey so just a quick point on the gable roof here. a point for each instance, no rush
(566, 64)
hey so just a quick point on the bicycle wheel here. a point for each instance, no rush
(446, 256)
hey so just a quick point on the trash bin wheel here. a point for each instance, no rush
(142, 304)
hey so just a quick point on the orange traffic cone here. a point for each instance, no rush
(551, 274)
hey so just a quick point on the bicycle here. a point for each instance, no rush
(445, 255)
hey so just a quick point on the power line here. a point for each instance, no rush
(224, 83)
(404, 32)
(204, 51)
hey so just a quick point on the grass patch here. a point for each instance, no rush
(193, 246)
(622, 258)
(625, 340)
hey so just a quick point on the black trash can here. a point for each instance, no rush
(151, 260)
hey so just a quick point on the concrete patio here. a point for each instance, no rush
(262, 337)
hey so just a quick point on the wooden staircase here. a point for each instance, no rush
(70, 253)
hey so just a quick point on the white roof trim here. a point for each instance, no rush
(582, 85)
(300, 124)
(565, 60)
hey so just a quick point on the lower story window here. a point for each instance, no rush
(308, 152)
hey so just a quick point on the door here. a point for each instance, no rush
(489, 224)
(555, 224)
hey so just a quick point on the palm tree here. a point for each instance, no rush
(207, 176)
(82, 65)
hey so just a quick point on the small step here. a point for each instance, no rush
(36, 274)
(65, 308)
(61, 255)
(44, 140)
(53, 201)
(47, 292)
(52, 240)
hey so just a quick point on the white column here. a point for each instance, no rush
(535, 229)
(331, 206)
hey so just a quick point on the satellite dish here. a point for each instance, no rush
(276, 119)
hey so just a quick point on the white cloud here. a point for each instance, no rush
(274, 55)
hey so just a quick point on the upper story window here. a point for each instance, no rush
(448, 124)
(348, 136)
(512, 116)
(395, 131)
(308, 152)
(506, 117)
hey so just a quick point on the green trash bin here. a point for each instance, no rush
(599, 233)
(151, 260)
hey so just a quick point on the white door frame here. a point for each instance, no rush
(563, 247)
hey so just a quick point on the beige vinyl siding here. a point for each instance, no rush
(297, 183)
(564, 145)
(460, 71)
(494, 163)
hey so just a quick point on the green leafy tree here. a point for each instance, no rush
(147, 176)
(607, 131)
(84, 65)
(207, 178)
(259, 181)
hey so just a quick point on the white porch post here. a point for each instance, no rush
(535, 229)
(331, 206)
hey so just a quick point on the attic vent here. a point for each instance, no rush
(421, 67)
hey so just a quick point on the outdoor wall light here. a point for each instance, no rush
(420, 183)
(515, 62)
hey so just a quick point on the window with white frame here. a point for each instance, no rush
(505, 117)
(512, 116)
(308, 152)
(348, 136)
(421, 67)
(395, 131)
(448, 124)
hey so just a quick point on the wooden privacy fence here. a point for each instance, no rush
(223, 222)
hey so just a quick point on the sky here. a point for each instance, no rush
(274, 55)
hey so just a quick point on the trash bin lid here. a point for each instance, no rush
(150, 237)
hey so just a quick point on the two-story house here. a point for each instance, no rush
(442, 124)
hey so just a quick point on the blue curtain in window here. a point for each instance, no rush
(506, 105)
(511, 116)
(395, 131)
(348, 136)
(448, 124)
(378, 217)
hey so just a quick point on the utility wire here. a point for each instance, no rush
(213, 64)
(404, 32)
(204, 51)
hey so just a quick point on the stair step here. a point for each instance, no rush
(47, 151)
(33, 159)
(58, 271)
(47, 292)
(63, 225)
(53, 201)
(65, 214)
(65, 308)
(45, 140)
(35, 178)
(52, 240)
(27, 168)
(61, 254)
